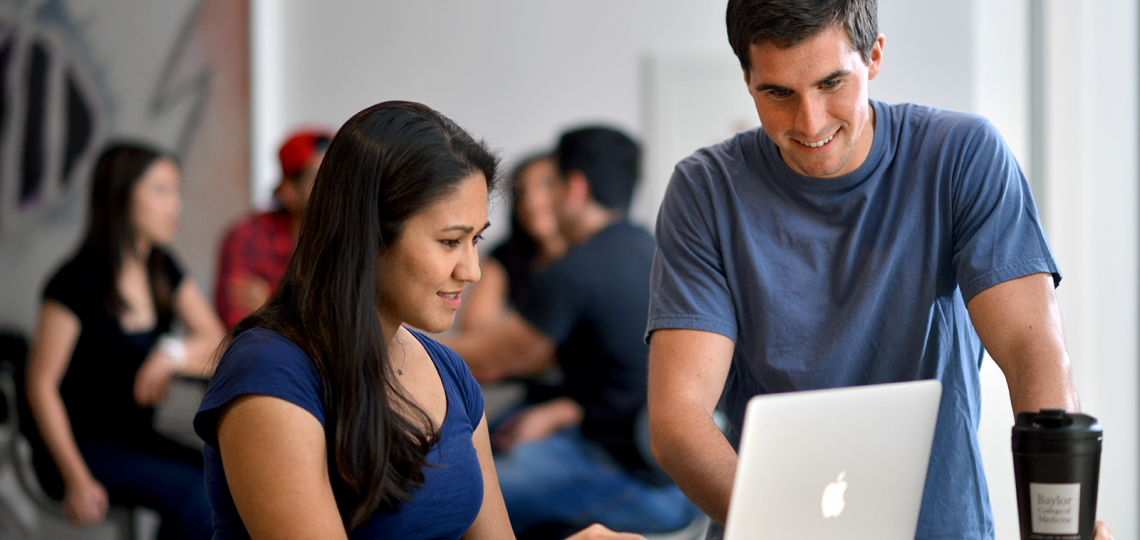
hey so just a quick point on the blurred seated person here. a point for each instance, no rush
(256, 251)
(534, 242)
(575, 459)
(104, 354)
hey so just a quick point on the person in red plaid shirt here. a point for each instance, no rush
(257, 249)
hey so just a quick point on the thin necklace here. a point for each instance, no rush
(401, 370)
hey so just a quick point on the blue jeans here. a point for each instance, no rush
(155, 473)
(569, 479)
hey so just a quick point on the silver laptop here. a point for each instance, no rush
(844, 463)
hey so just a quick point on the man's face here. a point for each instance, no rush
(812, 101)
(293, 193)
(304, 183)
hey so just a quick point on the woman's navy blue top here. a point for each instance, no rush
(261, 361)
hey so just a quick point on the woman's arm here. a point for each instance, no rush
(275, 461)
(85, 500)
(205, 331)
(204, 326)
(492, 521)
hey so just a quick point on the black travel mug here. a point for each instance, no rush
(1056, 465)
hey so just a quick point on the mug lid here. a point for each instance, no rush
(1056, 424)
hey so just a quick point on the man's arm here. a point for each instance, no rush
(687, 373)
(486, 300)
(1020, 326)
(508, 346)
(233, 268)
(240, 287)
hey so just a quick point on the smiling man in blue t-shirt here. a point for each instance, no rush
(846, 242)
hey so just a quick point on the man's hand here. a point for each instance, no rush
(504, 347)
(536, 422)
(1101, 531)
(598, 531)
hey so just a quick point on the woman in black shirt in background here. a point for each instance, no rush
(104, 353)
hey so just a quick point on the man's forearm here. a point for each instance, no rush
(687, 373)
(507, 347)
(1042, 385)
(699, 459)
(1019, 324)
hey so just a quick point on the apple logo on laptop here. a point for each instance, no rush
(833, 502)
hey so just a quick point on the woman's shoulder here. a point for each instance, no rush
(443, 356)
(454, 370)
(260, 352)
(170, 264)
(260, 361)
(74, 282)
(77, 266)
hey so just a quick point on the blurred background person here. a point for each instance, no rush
(532, 244)
(576, 459)
(256, 251)
(104, 354)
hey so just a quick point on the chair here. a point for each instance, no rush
(18, 450)
(16, 521)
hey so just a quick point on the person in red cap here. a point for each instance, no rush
(257, 249)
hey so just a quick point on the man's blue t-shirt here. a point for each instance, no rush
(260, 361)
(593, 303)
(858, 279)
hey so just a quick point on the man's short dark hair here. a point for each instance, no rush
(787, 23)
(607, 157)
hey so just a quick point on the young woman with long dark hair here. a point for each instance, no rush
(104, 353)
(329, 416)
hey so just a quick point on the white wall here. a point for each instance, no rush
(514, 72)
(1091, 214)
(518, 71)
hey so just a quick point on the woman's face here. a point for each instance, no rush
(434, 259)
(534, 204)
(156, 203)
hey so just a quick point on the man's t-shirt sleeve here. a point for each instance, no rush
(688, 284)
(997, 233)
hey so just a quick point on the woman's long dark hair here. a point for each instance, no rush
(110, 234)
(518, 252)
(387, 163)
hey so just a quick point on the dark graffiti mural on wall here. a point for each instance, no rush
(77, 73)
(51, 117)
(57, 104)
